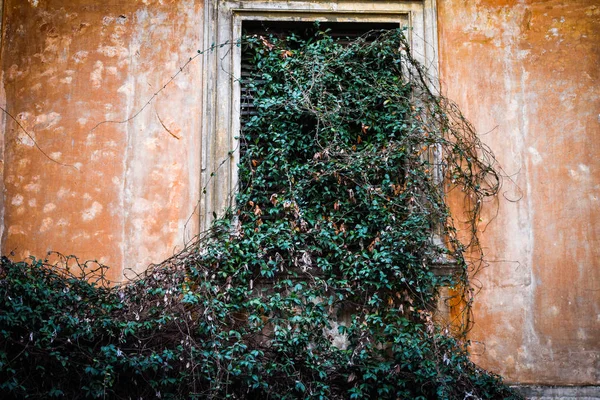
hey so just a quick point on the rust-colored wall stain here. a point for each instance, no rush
(526, 73)
(129, 188)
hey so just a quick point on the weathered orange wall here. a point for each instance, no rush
(527, 74)
(130, 187)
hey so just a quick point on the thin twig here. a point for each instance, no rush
(35, 143)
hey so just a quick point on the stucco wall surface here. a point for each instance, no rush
(122, 193)
(527, 74)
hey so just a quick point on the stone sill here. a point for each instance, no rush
(543, 392)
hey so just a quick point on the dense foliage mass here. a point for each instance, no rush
(320, 282)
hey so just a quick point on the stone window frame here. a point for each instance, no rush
(222, 68)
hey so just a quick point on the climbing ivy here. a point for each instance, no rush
(320, 283)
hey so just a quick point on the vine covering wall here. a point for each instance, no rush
(319, 283)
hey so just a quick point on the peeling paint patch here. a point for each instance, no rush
(32, 187)
(536, 158)
(81, 235)
(80, 56)
(151, 144)
(48, 72)
(23, 163)
(45, 121)
(46, 224)
(582, 172)
(92, 212)
(584, 168)
(62, 192)
(14, 73)
(127, 89)
(96, 75)
(15, 230)
(17, 200)
(90, 140)
(22, 137)
(113, 51)
(49, 207)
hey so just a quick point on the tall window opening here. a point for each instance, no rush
(226, 104)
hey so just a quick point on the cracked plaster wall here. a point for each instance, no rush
(524, 72)
(121, 193)
(527, 74)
